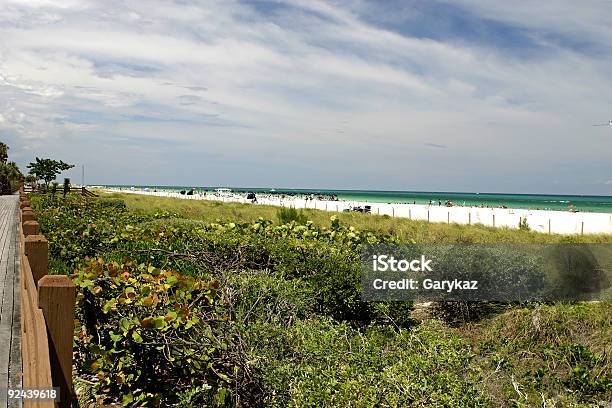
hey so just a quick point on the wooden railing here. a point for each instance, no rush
(47, 316)
(79, 190)
(84, 192)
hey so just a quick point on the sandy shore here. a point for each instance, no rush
(556, 222)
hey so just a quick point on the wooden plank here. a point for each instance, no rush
(4, 270)
(15, 368)
(5, 312)
(10, 362)
(30, 336)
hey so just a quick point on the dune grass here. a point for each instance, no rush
(530, 354)
(518, 355)
(419, 231)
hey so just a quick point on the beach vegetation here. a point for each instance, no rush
(178, 306)
(3, 153)
(523, 225)
(145, 332)
(47, 170)
(10, 175)
(286, 215)
(405, 230)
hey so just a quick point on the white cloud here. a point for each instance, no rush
(304, 81)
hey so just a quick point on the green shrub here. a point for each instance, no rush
(147, 334)
(116, 203)
(558, 353)
(286, 215)
(79, 227)
(328, 259)
(265, 314)
(320, 363)
(269, 298)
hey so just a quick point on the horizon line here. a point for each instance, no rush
(356, 190)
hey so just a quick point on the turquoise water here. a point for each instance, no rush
(532, 201)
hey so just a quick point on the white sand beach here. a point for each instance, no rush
(547, 221)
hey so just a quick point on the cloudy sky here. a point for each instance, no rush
(434, 95)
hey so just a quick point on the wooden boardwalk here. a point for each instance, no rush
(10, 326)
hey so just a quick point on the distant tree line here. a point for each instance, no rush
(10, 175)
(41, 170)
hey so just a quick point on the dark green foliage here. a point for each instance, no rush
(523, 225)
(10, 175)
(550, 353)
(3, 153)
(265, 314)
(286, 215)
(321, 363)
(269, 298)
(78, 227)
(48, 169)
(148, 334)
(578, 272)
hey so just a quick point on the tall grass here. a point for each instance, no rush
(286, 215)
(404, 229)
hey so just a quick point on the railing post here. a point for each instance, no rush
(36, 248)
(30, 228)
(27, 214)
(56, 298)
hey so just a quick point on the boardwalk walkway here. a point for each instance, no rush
(10, 327)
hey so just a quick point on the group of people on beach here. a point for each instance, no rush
(288, 195)
(447, 203)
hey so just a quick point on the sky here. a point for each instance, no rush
(417, 95)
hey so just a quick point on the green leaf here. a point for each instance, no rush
(127, 399)
(136, 336)
(126, 324)
(159, 322)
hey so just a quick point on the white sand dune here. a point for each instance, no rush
(555, 222)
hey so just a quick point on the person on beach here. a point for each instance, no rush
(66, 186)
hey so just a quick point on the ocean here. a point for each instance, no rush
(584, 203)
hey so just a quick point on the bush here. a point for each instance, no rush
(320, 363)
(328, 260)
(116, 203)
(287, 215)
(265, 314)
(146, 334)
(79, 227)
(559, 352)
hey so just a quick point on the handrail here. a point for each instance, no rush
(82, 190)
(47, 316)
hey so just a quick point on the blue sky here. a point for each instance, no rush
(463, 95)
